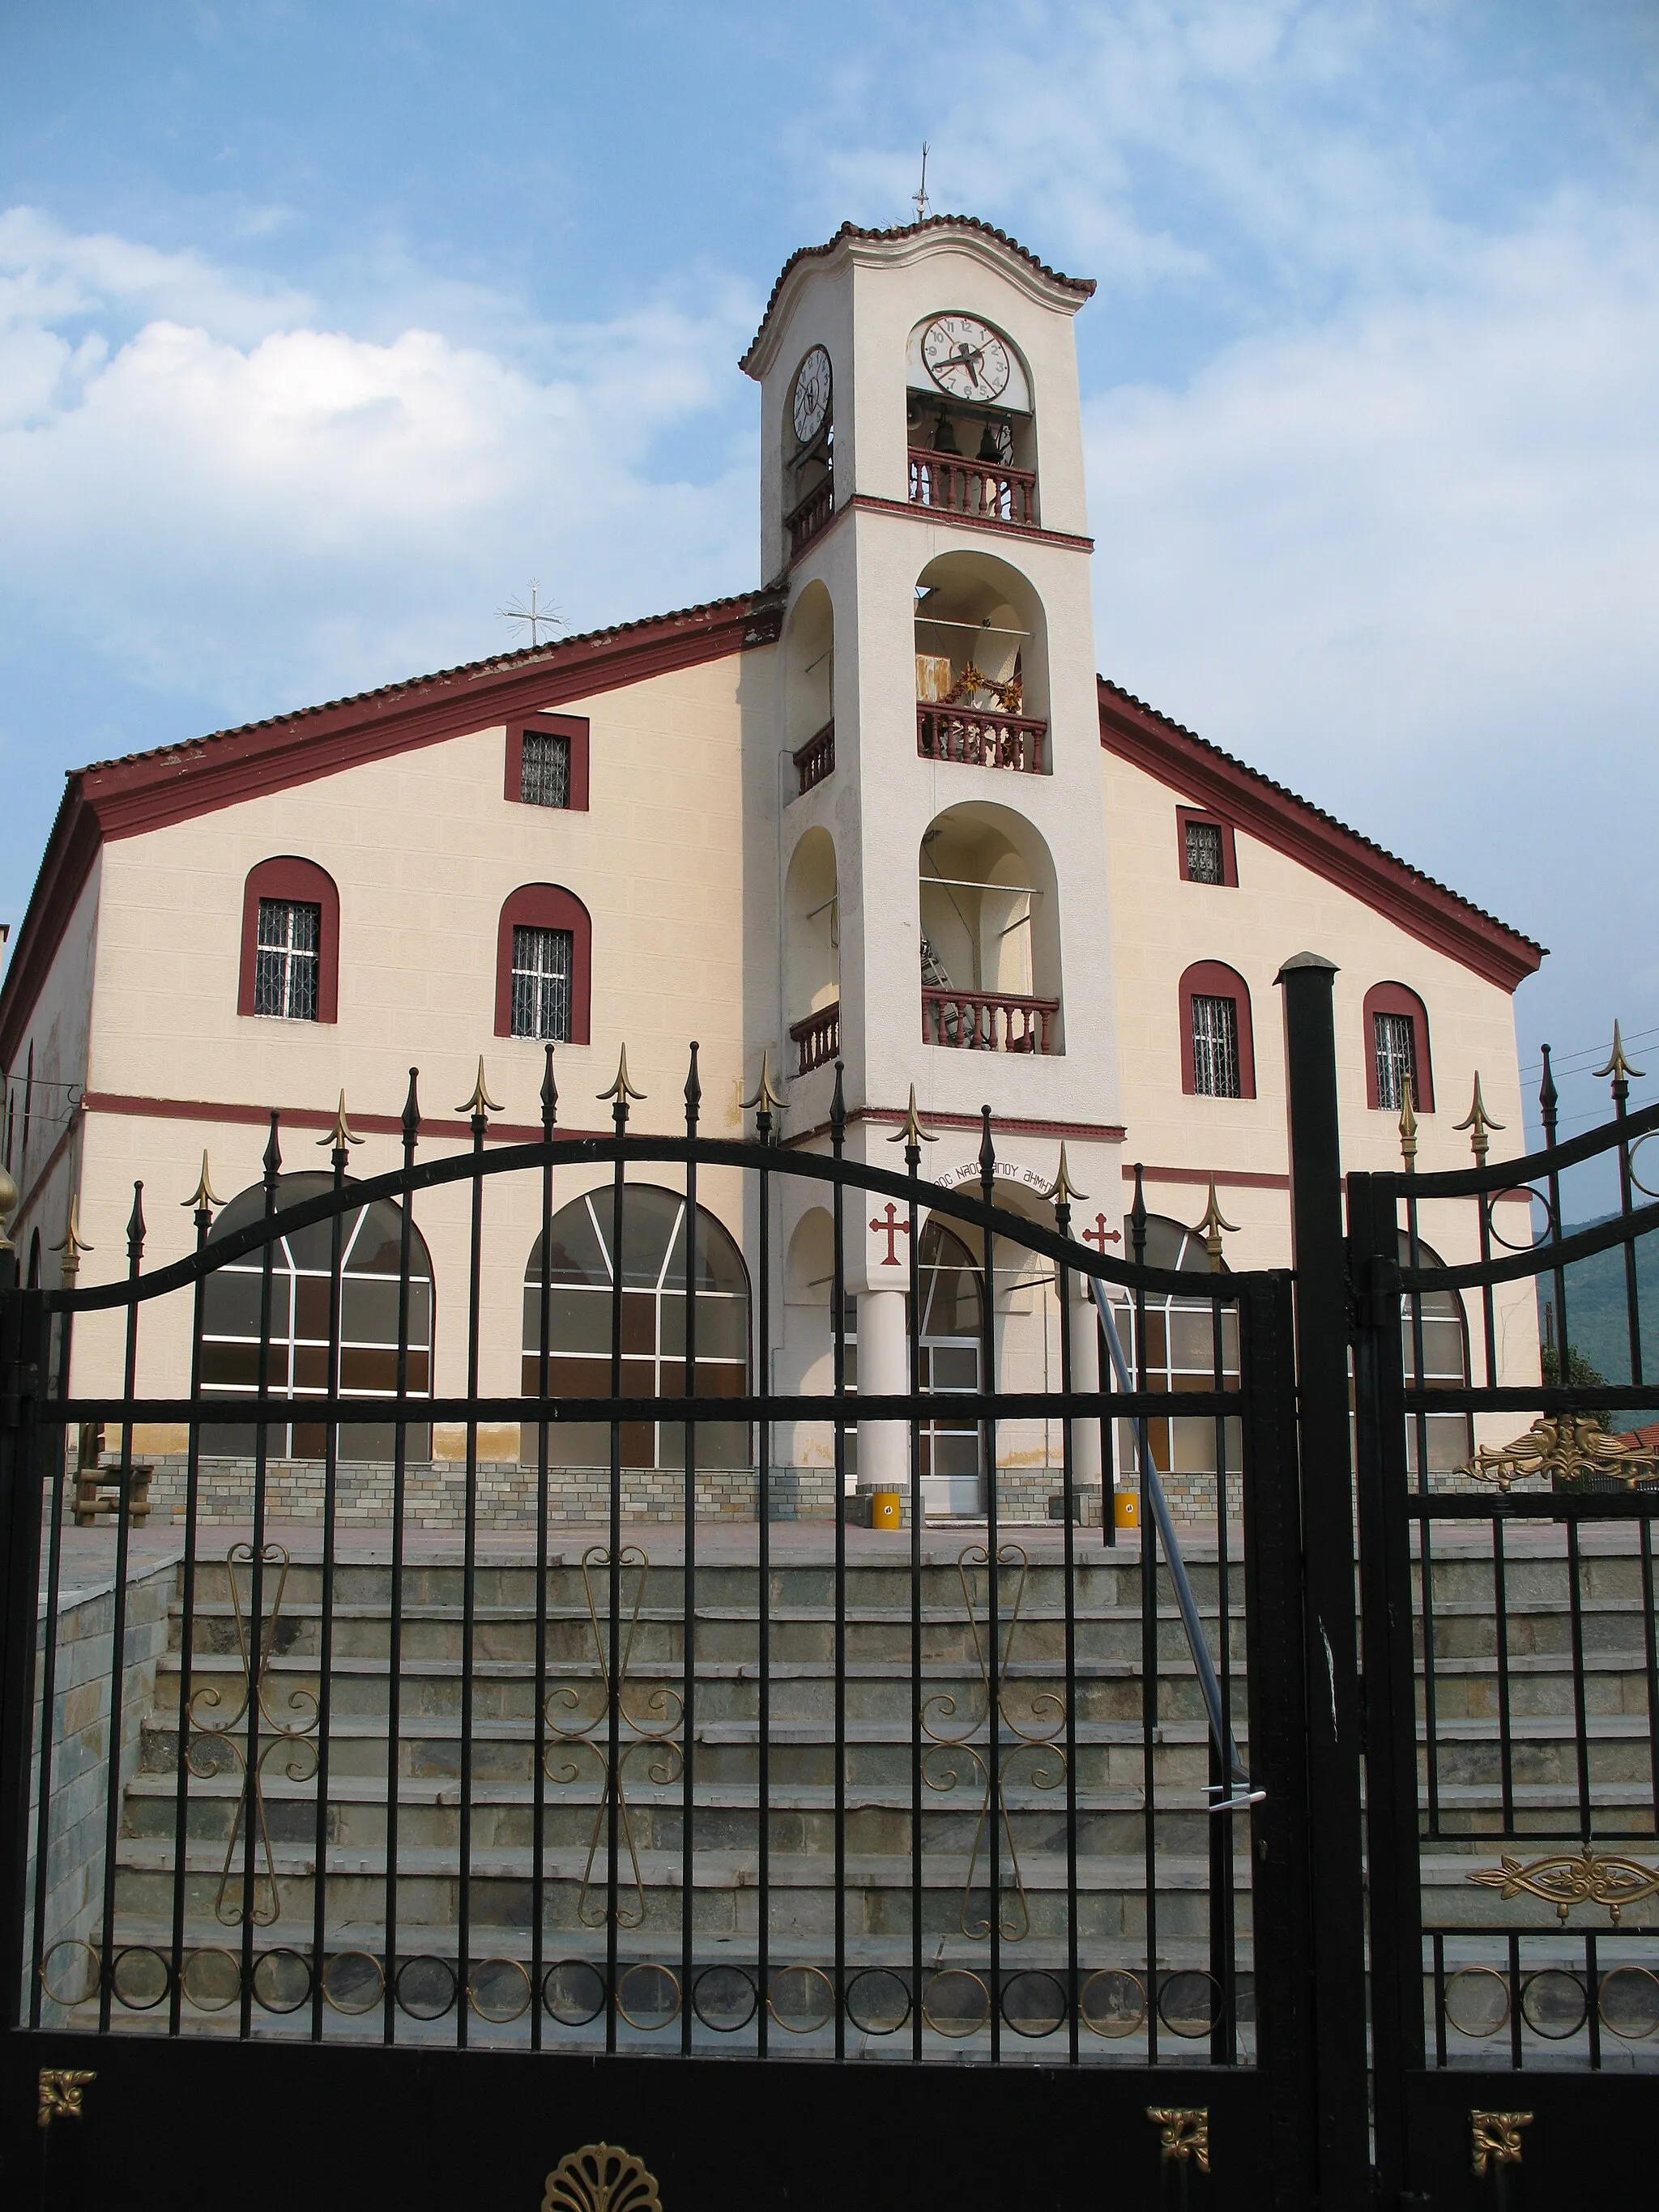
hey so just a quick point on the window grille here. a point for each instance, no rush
(541, 983)
(544, 769)
(287, 959)
(1204, 861)
(1215, 1048)
(1394, 1038)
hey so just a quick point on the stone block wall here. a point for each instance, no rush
(80, 1745)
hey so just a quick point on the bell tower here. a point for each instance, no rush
(941, 828)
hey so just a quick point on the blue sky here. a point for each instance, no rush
(323, 328)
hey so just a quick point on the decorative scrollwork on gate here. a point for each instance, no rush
(1565, 1447)
(1035, 1736)
(1183, 2133)
(204, 1727)
(601, 2176)
(1570, 1878)
(1495, 2139)
(649, 1728)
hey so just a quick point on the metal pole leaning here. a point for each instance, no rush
(1327, 1506)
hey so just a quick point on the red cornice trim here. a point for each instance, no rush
(148, 791)
(308, 1117)
(1427, 910)
(868, 503)
(1103, 1133)
(1226, 1178)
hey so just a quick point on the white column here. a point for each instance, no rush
(1086, 1375)
(883, 1367)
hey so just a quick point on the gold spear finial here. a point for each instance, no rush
(480, 1103)
(1618, 1066)
(1478, 1124)
(911, 1131)
(1210, 1228)
(1407, 1127)
(622, 1090)
(340, 1135)
(1065, 1190)
(204, 1198)
(8, 1196)
(73, 1244)
(767, 1095)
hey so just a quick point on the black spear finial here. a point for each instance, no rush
(1548, 1100)
(136, 1224)
(838, 1112)
(411, 1116)
(1138, 1219)
(693, 1094)
(550, 1097)
(987, 1153)
(273, 1159)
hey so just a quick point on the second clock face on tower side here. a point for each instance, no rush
(810, 402)
(965, 358)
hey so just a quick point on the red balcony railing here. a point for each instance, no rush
(987, 1021)
(818, 1038)
(804, 521)
(816, 758)
(980, 736)
(984, 490)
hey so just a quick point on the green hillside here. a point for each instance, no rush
(1597, 1325)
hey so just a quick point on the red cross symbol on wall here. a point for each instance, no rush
(1102, 1236)
(889, 1225)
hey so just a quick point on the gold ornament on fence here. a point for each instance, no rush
(1183, 2133)
(601, 2178)
(1495, 2139)
(1567, 1445)
(61, 2090)
(1570, 1878)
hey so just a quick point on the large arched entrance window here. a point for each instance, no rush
(953, 1333)
(300, 1264)
(1180, 1355)
(1448, 1439)
(581, 1274)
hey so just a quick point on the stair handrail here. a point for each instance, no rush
(1236, 1793)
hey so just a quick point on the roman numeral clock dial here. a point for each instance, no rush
(964, 358)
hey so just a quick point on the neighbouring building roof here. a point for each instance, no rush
(1083, 286)
(1295, 826)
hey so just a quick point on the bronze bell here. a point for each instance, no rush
(990, 445)
(944, 434)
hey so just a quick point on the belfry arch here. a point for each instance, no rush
(990, 932)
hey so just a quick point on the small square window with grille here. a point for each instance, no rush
(541, 983)
(286, 959)
(1394, 1038)
(544, 769)
(1205, 861)
(1215, 1047)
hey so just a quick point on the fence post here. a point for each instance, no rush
(20, 1554)
(1328, 1509)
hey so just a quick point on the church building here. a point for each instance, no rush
(881, 811)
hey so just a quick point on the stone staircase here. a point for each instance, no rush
(1109, 1783)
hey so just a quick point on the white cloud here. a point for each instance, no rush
(279, 510)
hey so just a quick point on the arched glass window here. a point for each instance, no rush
(1449, 1437)
(370, 1244)
(581, 1274)
(953, 1337)
(1180, 1355)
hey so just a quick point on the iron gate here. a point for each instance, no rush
(1511, 1692)
(396, 1860)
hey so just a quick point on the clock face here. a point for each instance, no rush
(964, 358)
(811, 402)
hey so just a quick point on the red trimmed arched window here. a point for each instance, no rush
(290, 965)
(544, 966)
(1218, 1048)
(1396, 1026)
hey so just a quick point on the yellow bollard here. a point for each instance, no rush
(1126, 1508)
(886, 1509)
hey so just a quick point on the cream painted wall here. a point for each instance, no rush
(1161, 925)
(57, 1036)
